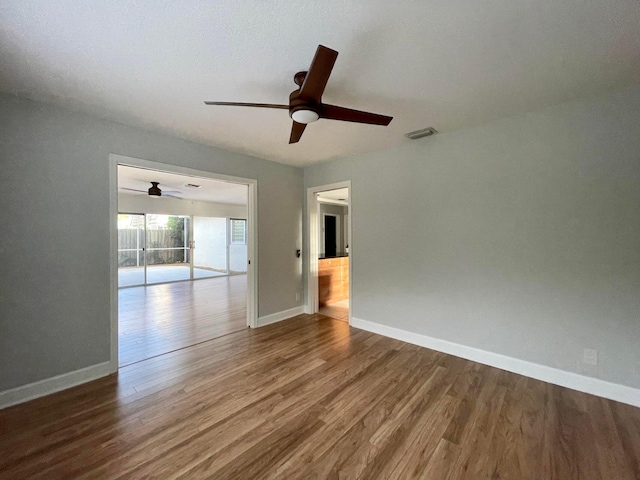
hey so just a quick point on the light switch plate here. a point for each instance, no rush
(590, 356)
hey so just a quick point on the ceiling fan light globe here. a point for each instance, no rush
(305, 116)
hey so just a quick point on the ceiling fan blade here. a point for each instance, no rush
(296, 131)
(240, 104)
(133, 190)
(318, 74)
(333, 112)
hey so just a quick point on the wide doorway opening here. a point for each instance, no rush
(183, 260)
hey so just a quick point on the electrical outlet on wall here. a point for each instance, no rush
(297, 296)
(590, 356)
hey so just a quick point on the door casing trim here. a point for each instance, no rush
(252, 237)
(312, 238)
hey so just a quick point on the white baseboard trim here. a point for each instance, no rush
(53, 384)
(575, 381)
(279, 316)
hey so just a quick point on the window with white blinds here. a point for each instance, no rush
(238, 231)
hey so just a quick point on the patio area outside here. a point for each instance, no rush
(167, 245)
(132, 276)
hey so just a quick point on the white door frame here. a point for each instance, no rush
(252, 236)
(345, 244)
(313, 237)
(192, 247)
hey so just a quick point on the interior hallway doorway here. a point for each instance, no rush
(329, 222)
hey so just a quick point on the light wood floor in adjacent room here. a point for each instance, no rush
(338, 310)
(311, 397)
(157, 319)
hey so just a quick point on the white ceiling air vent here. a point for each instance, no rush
(425, 132)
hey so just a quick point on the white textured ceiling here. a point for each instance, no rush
(338, 196)
(136, 181)
(446, 64)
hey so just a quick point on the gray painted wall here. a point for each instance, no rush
(519, 236)
(54, 293)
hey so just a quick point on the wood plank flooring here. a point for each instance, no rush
(157, 319)
(309, 398)
(338, 310)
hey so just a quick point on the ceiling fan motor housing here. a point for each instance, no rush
(302, 111)
(154, 190)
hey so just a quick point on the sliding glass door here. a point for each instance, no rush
(167, 251)
(168, 248)
(131, 254)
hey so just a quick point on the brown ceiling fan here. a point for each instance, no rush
(154, 191)
(305, 103)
